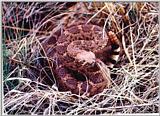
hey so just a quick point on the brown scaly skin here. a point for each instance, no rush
(81, 48)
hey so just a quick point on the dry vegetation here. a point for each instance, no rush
(29, 84)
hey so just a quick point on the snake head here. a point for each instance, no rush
(86, 57)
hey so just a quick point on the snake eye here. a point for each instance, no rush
(82, 61)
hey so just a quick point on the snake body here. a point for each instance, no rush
(78, 51)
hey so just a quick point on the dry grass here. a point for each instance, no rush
(29, 85)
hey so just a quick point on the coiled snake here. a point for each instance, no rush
(80, 48)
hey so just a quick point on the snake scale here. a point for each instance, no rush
(78, 50)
